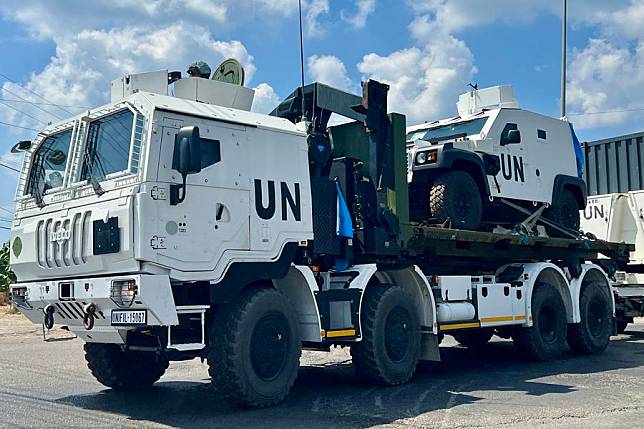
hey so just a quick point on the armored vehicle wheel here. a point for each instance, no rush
(455, 196)
(546, 338)
(620, 326)
(592, 335)
(474, 339)
(564, 212)
(254, 352)
(123, 370)
(390, 346)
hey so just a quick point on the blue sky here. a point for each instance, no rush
(68, 51)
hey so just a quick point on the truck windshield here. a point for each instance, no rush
(455, 129)
(108, 145)
(48, 167)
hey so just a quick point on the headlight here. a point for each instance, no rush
(426, 157)
(123, 292)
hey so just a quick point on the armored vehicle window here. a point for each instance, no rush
(210, 152)
(50, 159)
(541, 134)
(108, 145)
(450, 130)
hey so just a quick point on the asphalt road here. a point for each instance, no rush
(48, 385)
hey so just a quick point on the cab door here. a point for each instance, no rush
(214, 217)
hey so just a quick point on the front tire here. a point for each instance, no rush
(455, 197)
(123, 370)
(592, 334)
(546, 338)
(390, 348)
(564, 212)
(255, 348)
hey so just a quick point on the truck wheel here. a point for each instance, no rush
(455, 196)
(621, 326)
(592, 335)
(390, 346)
(564, 212)
(254, 352)
(474, 339)
(123, 370)
(546, 338)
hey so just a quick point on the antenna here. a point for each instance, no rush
(302, 56)
(563, 58)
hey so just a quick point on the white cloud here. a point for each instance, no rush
(314, 10)
(359, 19)
(266, 99)
(329, 70)
(84, 64)
(425, 80)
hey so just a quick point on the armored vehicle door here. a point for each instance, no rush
(510, 147)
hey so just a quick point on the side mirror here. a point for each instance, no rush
(187, 151)
(21, 146)
(186, 160)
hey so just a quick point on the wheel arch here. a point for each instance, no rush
(574, 184)
(590, 273)
(545, 272)
(413, 281)
(298, 286)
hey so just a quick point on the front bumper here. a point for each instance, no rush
(154, 294)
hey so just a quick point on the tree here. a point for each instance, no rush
(6, 275)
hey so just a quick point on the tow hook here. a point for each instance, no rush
(89, 314)
(49, 316)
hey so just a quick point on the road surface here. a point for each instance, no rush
(48, 385)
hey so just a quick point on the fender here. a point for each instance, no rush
(589, 272)
(241, 274)
(576, 183)
(548, 272)
(448, 157)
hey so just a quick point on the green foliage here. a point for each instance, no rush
(6, 275)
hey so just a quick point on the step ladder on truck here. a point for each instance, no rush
(161, 228)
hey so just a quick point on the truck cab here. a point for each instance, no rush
(493, 150)
(99, 218)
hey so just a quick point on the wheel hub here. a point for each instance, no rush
(397, 334)
(596, 317)
(547, 324)
(269, 346)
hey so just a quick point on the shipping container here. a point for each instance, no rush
(615, 164)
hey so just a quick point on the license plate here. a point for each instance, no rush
(129, 317)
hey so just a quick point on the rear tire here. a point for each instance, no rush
(390, 348)
(455, 196)
(255, 348)
(564, 212)
(123, 370)
(474, 339)
(592, 334)
(546, 338)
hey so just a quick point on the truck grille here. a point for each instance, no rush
(63, 242)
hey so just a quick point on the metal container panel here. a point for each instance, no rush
(615, 164)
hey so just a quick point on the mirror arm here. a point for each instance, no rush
(178, 192)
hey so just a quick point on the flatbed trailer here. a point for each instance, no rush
(243, 238)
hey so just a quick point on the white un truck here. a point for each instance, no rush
(615, 212)
(463, 170)
(168, 227)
